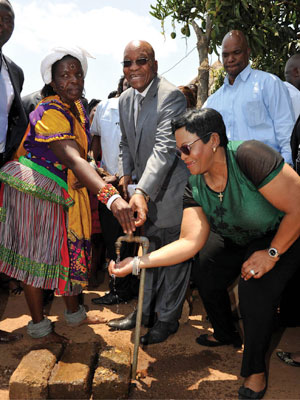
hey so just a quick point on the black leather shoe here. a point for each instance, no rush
(204, 341)
(160, 332)
(125, 323)
(129, 321)
(247, 393)
(108, 299)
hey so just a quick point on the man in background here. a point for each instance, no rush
(292, 77)
(106, 133)
(254, 104)
(12, 114)
(13, 121)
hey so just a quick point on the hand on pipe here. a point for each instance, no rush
(138, 204)
(124, 214)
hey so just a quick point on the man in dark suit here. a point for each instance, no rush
(12, 78)
(13, 119)
(30, 101)
(147, 150)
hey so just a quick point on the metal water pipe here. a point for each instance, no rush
(145, 246)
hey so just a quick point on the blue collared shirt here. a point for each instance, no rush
(257, 106)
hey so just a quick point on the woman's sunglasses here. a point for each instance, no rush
(139, 62)
(186, 148)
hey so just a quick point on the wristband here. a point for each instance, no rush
(136, 266)
(111, 200)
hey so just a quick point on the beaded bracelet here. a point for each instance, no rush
(106, 193)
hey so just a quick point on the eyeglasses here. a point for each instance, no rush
(139, 62)
(186, 148)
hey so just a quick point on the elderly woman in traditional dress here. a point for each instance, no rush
(241, 211)
(45, 223)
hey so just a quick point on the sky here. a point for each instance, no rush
(103, 28)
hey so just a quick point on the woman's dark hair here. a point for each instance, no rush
(48, 89)
(191, 100)
(92, 104)
(201, 122)
(112, 94)
(120, 85)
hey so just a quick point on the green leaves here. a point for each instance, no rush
(269, 24)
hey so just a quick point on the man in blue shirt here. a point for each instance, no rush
(254, 104)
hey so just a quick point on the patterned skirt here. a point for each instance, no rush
(35, 246)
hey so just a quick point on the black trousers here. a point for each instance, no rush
(126, 288)
(165, 287)
(219, 264)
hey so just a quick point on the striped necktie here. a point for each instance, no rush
(139, 101)
(3, 106)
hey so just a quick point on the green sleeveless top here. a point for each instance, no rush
(244, 214)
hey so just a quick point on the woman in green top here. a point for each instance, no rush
(241, 209)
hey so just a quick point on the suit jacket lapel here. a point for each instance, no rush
(12, 75)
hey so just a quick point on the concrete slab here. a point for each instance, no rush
(112, 377)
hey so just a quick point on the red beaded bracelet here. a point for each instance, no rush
(106, 192)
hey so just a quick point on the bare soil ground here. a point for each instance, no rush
(177, 369)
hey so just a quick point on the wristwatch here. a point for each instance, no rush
(273, 252)
(140, 191)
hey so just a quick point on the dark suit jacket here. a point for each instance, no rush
(149, 150)
(30, 101)
(17, 119)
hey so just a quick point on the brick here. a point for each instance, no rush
(112, 377)
(71, 377)
(30, 379)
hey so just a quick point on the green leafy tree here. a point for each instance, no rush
(272, 28)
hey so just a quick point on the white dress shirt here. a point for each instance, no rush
(106, 124)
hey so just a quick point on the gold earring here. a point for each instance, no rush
(214, 149)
